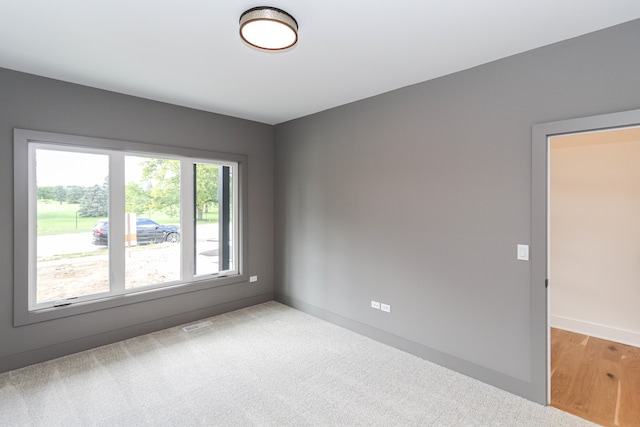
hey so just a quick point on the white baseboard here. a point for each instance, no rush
(596, 330)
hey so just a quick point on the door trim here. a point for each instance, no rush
(539, 230)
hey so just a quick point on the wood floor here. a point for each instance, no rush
(595, 379)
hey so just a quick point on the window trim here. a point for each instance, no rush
(22, 260)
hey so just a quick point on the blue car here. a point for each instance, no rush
(147, 231)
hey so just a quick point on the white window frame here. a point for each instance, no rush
(27, 310)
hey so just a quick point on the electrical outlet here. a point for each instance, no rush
(253, 279)
(385, 307)
(375, 304)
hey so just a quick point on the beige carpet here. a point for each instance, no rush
(267, 365)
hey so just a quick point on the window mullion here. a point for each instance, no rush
(116, 223)
(33, 230)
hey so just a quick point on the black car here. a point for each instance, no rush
(147, 231)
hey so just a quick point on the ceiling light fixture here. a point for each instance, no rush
(268, 28)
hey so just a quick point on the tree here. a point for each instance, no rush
(75, 193)
(162, 178)
(138, 200)
(95, 202)
(206, 187)
(61, 193)
(46, 193)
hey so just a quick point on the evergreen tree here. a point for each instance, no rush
(75, 193)
(94, 203)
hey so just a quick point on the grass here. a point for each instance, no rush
(56, 218)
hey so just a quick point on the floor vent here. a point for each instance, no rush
(195, 326)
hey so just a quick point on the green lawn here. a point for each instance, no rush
(54, 217)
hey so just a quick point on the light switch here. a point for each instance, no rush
(523, 252)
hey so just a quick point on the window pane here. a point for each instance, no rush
(72, 197)
(206, 219)
(152, 221)
(226, 218)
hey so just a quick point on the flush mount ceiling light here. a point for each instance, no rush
(268, 28)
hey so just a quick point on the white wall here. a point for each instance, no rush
(595, 234)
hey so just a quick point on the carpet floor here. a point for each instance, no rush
(266, 365)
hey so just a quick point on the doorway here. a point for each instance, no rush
(551, 236)
(594, 247)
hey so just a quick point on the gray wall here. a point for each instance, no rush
(37, 103)
(418, 197)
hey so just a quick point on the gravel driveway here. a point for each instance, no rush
(87, 273)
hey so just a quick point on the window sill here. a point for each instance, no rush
(25, 317)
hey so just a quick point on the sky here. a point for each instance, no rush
(65, 168)
(69, 168)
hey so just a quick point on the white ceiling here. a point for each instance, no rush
(188, 52)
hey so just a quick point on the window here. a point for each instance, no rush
(101, 223)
